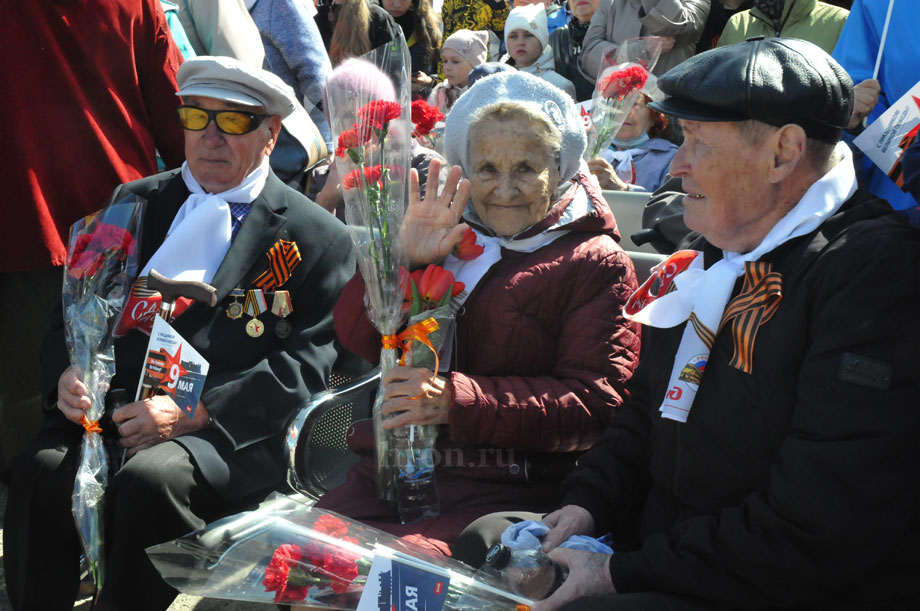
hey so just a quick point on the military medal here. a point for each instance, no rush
(253, 306)
(235, 309)
(255, 328)
(281, 307)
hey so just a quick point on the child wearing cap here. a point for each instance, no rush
(527, 41)
(461, 52)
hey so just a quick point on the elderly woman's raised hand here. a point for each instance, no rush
(431, 226)
(416, 396)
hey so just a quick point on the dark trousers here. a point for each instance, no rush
(157, 496)
(27, 302)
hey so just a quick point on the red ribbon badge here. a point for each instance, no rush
(661, 282)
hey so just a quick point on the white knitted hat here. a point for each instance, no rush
(524, 89)
(530, 17)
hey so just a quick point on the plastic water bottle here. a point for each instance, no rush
(528, 572)
(413, 461)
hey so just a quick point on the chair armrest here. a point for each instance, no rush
(308, 416)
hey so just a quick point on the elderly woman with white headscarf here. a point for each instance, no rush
(540, 350)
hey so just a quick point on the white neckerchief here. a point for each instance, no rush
(705, 293)
(472, 271)
(623, 160)
(199, 236)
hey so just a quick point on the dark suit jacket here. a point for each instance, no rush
(254, 385)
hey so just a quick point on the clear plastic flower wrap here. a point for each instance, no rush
(101, 266)
(289, 552)
(372, 119)
(428, 300)
(623, 74)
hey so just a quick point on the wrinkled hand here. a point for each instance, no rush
(431, 226)
(144, 424)
(865, 97)
(589, 575)
(565, 522)
(73, 400)
(667, 43)
(606, 175)
(432, 400)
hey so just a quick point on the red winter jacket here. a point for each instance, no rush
(542, 350)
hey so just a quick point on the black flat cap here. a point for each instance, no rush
(773, 80)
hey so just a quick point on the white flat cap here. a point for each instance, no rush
(226, 78)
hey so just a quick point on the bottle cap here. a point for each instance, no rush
(498, 556)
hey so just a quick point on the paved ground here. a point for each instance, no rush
(183, 603)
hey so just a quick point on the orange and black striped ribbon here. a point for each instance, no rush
(758, 301)
(283, 257)
(705, 333)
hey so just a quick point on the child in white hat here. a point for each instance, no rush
(527, 41)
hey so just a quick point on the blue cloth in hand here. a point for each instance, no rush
(529, 533)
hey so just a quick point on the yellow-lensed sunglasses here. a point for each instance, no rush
(232, 122)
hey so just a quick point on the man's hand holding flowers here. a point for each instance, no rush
(141, 424)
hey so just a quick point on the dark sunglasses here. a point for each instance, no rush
(233, 122)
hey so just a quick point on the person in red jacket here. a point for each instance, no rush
(88, 99)
(541, 351)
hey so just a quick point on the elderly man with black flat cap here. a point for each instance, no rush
(769, 454)
(278, 262)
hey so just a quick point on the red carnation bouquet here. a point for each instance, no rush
(371, 115)
(321, 566)
(101, 266)
(618, 87)
(289, 552)
(428, 121)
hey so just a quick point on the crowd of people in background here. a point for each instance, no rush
(92, 92)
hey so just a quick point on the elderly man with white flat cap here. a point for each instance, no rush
(278, 263)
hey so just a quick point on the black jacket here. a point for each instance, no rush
(254, 385)
(795, 486)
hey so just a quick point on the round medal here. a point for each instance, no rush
(283, 328)
(234, 310)
(255, 328)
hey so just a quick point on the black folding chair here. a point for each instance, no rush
(317, 449)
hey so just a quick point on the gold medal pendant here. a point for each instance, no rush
(235, 309)
(255, 328)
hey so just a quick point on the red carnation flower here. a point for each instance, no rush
(347, 140)
(331, 525)
(341, 566)
(379, 112)
(90, 250)
(425, 117)
(621, 83)
(353, 178)
(278, 573)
